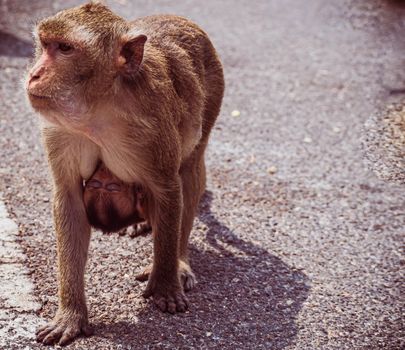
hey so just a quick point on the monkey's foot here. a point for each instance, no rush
(63, 329)
(136, 230)
(144, 275)
(187, 276)
(140, 229)
(167, 298)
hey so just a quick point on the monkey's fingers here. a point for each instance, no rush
(72, 332)
(43, 331)
(62, 332)
(68, 335)
(165, 304)
(182, 303)
(50, 335)
(42, 328)
(171, 304)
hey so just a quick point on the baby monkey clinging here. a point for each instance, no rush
(142, 98)
(111, 204)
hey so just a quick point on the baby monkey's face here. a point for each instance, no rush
(111, 204)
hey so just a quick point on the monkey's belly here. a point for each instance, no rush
(89, 158)
(122, 166)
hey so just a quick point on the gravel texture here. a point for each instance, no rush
(18, 320)
(384, 143)
(298, 244)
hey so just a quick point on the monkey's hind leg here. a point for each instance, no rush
(193, 182)
(193, 185)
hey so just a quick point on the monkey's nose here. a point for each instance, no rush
(35, 75)
(33, 78)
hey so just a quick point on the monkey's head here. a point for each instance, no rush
(81, 53)
(111, 204)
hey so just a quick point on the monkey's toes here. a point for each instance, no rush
(188, 280)
(172, 303)
(187, 277)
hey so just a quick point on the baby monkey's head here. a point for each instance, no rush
(111, 204)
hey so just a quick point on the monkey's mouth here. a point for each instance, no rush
(39, 97)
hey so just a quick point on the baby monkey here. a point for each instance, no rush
(112, 205)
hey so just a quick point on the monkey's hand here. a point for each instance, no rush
(66, 326)
(167, 297)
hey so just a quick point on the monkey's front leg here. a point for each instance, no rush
(164, 281)
(73, 236)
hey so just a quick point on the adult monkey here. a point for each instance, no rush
(142, 98)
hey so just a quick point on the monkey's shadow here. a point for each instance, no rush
(245, 298)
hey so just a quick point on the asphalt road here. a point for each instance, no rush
(298, 244)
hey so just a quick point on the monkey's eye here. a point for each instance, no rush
(113, 187)
(94, 184)
(65, 48)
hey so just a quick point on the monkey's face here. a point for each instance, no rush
(110, 203)
(57, 80)
(80, 53)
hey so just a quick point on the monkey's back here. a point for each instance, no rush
(167, 30)
(193, 64)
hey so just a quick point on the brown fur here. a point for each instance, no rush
(145, 109)
(112, 205)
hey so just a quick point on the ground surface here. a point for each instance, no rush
(384, 143)
(306, 255)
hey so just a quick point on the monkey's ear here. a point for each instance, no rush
(131, 54)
